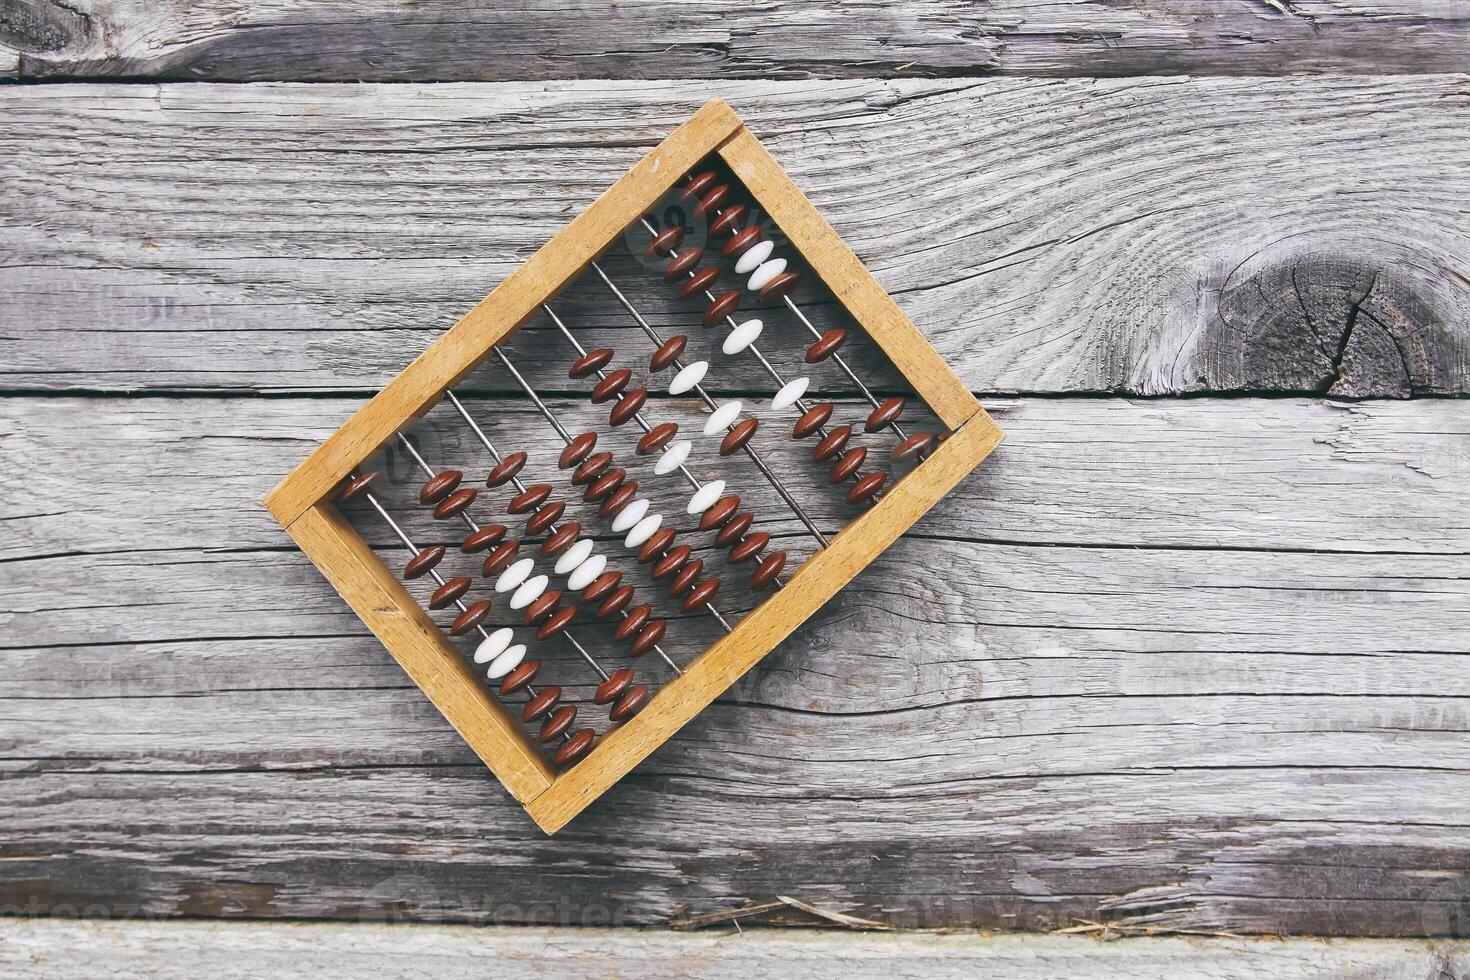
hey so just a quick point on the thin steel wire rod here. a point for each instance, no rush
(709, 403)
(520, 486)
(566, 437)
(473, 526)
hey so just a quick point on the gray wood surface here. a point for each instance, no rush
(1159, 236)
(1167, 663)
(493, 40)
(329, 951)
(1188, 665)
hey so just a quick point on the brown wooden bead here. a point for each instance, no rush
(699, 282)
(539, 706)
(591, 468)
(631, 405)
(632, 621)
(740, 434)
(668, 352)
(611, 385)
(615, 603)
(814, 419)
(601, 587)
(686, 578)
(728, 221)
(524, 674)
(439, 486)
(420, 563)
(655, 546)
(666, 241)
(603, 485)
(452, 589)
(591, 362)
(711, 201)
(502, 555)
(672, 562)
(506, 469)
(470, 618)
(698, 184)
(485, 537)
(563, 539)
(826, 345)
(701, 595)
(575, 749)
(630, 703)
(529, 499)
(866, 488)
(720, 512)
(545, 517)
(683, 263)
(849, 464)
(356, 487)
(749, 548)
(557, 722)
(741, 242)
(735, 530)
(918, 445)
(783, 285)
(724, 305)
(885, 414)
(617, 682)
(576, 450)
(648, 637)
(765, 573)
(456, 503)
(620, 498)
(559, 621)
(832, 444)
(542, 606)
(657, 438)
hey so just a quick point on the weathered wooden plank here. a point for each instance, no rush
(485, 40)
(1155, 236)
(101, 475)
(52, 948)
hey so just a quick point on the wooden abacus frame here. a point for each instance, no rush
(303, 500)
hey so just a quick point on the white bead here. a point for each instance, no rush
(630, 515)
(673, 457)
(742, 336)
(529, 590)
(514, 575)
(507, 662)
(586, 572)
(767, 272)
(573, 556)
(691, 375)
(790, 393)
(721, 418)
(757, 254)
(493, 645)
(643, 530)
(706, 497)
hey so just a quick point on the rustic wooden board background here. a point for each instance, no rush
(1188, 654)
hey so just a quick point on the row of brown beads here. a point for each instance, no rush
(629, 403)
(740, 242)
(732, 525)
(439, 488)
(711, 197)
(680, 265)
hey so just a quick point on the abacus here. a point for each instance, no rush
(497, 693)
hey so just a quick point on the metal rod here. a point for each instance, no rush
(709, 403)
(485, 441)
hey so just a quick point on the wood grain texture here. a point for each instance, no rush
(489, 40)
(331, 951)
(1159, 236)
(1217, 683)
